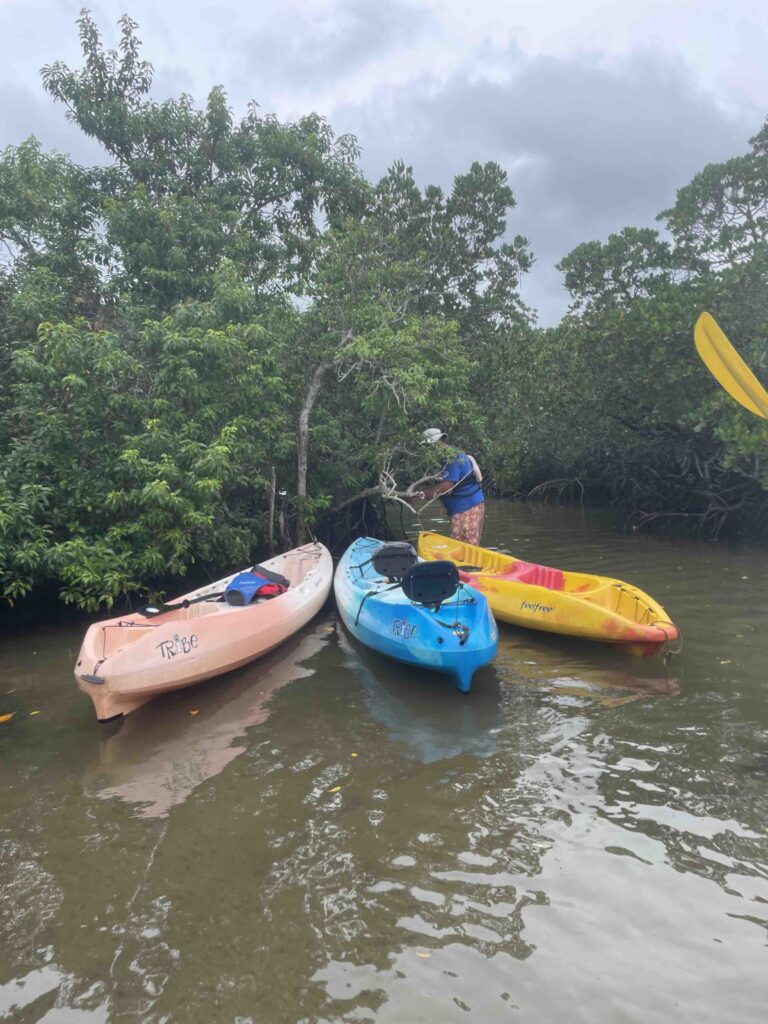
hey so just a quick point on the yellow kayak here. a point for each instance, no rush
(556, 601)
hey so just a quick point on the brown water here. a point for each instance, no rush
(583, 838)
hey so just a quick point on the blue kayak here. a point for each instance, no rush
(415, 611)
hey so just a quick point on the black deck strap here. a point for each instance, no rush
(151, 610)
(370, 594)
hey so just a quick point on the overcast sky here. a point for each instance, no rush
(598, 110)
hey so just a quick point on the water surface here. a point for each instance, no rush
(333, 837)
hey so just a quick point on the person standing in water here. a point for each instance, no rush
(460, 490)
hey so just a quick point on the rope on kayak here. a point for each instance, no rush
(667, 651)
(647, 610)
(459, 630)
(122, 624)
(116, 625)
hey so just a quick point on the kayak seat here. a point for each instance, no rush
(535, 575)
(524, 572)
(431, 583)
(394, 559)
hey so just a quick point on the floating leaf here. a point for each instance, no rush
(195, 711)
(6, 718)
(726, 662)
(335, 789)
(353, 754)
(31, 713)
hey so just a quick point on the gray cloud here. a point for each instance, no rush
(308, 54)
(590, 146)
(24, 112)
(589, 149)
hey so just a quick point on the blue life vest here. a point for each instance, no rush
(467, 490)
(245, 586)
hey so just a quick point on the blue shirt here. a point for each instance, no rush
(467, 493)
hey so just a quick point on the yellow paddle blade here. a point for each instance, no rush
(726, 366)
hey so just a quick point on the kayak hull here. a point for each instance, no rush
(384, 619)
(126, 661)
(556, 601)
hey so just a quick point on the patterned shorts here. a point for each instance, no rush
(468, 526)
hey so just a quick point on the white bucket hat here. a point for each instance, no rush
(432, 435)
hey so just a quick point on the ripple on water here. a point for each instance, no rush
(583, 839)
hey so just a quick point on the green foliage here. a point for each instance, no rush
(154, 449)
(401, 297)
(156, 367)
(23, 539)
(615, 402)
(720, 220)
(48, 207)
(192, 187)
(632, 264)
(224, 299)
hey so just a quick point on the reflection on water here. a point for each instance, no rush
(422, 710)
(583, 838)
(581, 670)
(162, 752)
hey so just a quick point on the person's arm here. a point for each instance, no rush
(451, 476)
(439, 488)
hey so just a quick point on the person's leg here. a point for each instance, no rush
(477, 524)
(459, 525)
(472, 527)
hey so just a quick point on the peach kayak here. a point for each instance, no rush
(557, 601)
(126, 661)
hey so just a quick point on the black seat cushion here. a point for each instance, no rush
(431, 583)
(394, 558)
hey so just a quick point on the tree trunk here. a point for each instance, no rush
(272, 492)
(313, 390)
